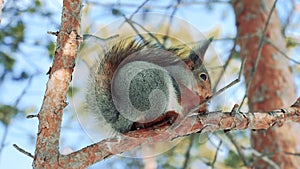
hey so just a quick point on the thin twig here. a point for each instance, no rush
(222, 89)
(32, 116)
(258, 53)
(289, 18)
(53, 33)
(15, 105)
(23, 151)
(188, 152)
(281, 52)
(232, 52)
(238, 148)
(137, 10)
(132, 5)
(150, 34)
(134, 28)
(170, 21)
(262, 38)
(101, 41)
(2, 77)
(294, 154)
(3, 139)
(264, 158)
(131, 22)
(23, 91)
(216, 155)
(86, 36)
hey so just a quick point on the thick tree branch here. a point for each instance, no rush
(209, 122)
(50, 116)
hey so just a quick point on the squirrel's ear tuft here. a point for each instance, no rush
(196, 56)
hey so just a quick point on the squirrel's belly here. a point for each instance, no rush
(173, 104)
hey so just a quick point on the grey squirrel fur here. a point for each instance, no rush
(153, 87)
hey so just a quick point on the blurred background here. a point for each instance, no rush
(26, 53)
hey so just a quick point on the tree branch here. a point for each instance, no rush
(194, 123)
(238, 148)
(264, 158)
(60, 74)
(23, 151)
(188, 152)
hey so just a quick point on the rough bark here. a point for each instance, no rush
(270, 84)
(214, 121)
(50, 116)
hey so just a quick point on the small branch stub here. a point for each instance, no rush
(23, 151)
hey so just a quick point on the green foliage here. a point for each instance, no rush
(22, 76)
(116, 12)
(290, 43)
(7, 112)
(7, 61)
(13, 35)
(236, 55)
(72, 91)
(233, 160)
(34, 8)
(51, 48)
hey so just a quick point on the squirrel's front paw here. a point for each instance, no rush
(166, 119)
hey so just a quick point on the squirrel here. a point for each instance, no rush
(134, 85)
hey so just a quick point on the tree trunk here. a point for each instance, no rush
(272, 84)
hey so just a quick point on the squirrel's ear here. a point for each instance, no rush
(196, 55)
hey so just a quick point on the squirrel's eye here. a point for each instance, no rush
(203, 76)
